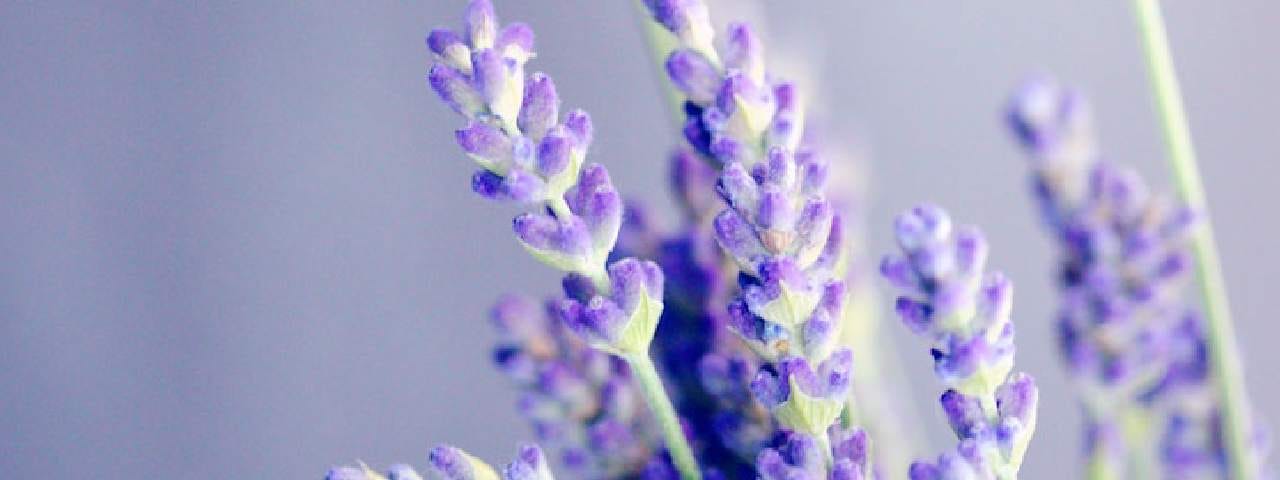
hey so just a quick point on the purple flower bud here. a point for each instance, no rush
(489, 185)
(971, 250)
(455, 90)
(898, 271)
(632, 278)
(454, 464)
(553, 153)
(1017, 398)
(450, 49)
(776, 211)
(569, 237)
(688, 19)
(738, 238)
(694, 75)
(916, 315)
(745, 52)
(813, 228)
(481, 23)
(491, 75)
(579, 125)
(921, 226)
(578, 287)
(541, 106)
(737, 187)
(1044, 116)
(964, 413)
(515, 42)
(524, 187)
(487, 144)
(598, 204)
(441, 39)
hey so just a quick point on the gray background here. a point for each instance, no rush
(236, 241)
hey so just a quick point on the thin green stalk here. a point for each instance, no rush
(1224, 355)
(661, 43)
(656, 396)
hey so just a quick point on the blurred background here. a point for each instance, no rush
(237, 239)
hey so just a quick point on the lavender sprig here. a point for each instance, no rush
(964, 312)
(780, 230)
(529, 157)
(1136, 351)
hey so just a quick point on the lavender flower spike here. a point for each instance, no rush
(528, 155)
(1135, 349)
(963, 311)
(780, 229)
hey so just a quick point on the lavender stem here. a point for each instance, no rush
(646, 375)
(1224, 354)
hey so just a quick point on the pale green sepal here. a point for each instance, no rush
(807, 414)
(507, 104)
(560, 261)
(498, 166)
(369, 474)
(790, 308)
(750, 119)
(986, 379)
(561, 182)
(458, 56)
(479, 469)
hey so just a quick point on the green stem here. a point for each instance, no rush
(1224, 355)
(1103, 465)
(661, 43)
(651, 386)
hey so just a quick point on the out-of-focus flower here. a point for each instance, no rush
(582, 403)
(1134, 348)
(949, 299)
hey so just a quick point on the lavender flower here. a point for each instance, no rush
(526, 153)
(782, 233)
(582, 402)
(1136, 351)
(963, 311)
(528, 156)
